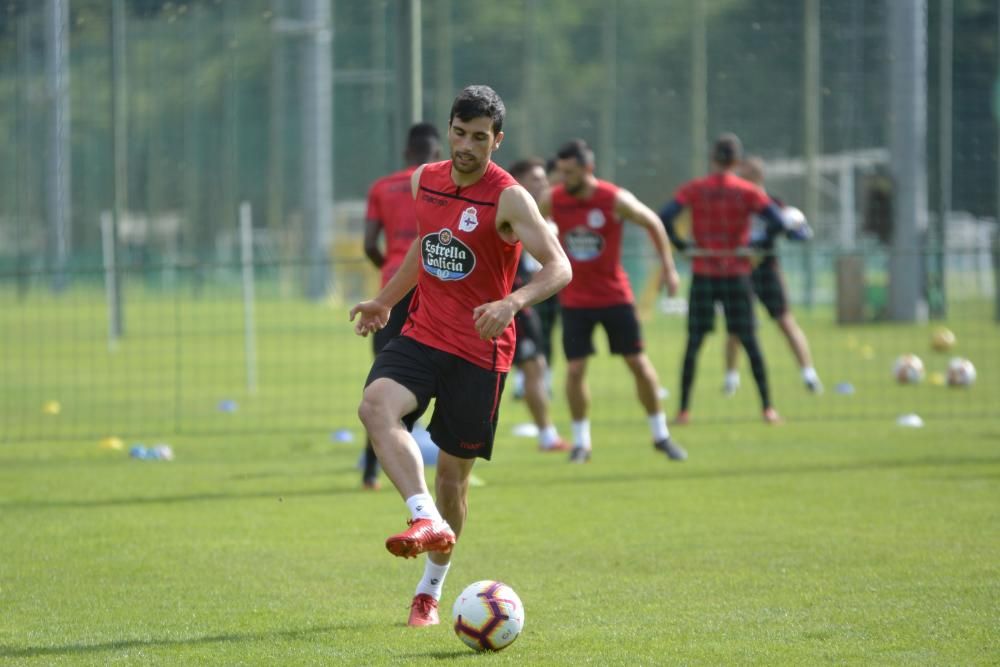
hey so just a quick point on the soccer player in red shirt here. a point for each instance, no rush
(391, 214)
(458, 341)
(721, 208)
(769, 285)
(529, 354)
(589, 213)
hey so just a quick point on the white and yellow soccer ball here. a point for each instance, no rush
(908, 369)
(961, 372)
(488, 615)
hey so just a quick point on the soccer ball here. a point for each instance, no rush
(942, 339)
(488, 615)
(961, 372)
(909, 369)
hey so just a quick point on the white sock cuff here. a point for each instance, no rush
(581, 433)
(422, 507)
(658, 426)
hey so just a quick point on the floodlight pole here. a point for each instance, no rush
(58, 181)
(940, 238)
(699, 89)
(812, 139)
(907, 26)
(119, 154)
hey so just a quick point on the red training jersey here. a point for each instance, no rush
(464, 264)
(390, 201)
(591, 233)
(721, 208)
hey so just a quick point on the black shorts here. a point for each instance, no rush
(528, 327)
(736, 297)
(619, 322)
(769, 286)
(397, 318)
(468, 396)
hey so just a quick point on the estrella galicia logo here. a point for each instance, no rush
(582, 244)
(445, 257)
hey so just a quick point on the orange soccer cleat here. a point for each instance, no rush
(557, 445)
(423, 535)
(771, 416)
(683, 418)
(423, 611)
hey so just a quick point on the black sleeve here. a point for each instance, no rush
(668, 214)
(775, 220)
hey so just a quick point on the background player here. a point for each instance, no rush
(529, 355)
(458, 341)
(391, 216)
(721, 204)
(589, 213)
(769, 286)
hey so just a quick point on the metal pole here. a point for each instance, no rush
(907, 25)
(317, 143)
(110, 276)
(119, 148)
(249, 320)
(812, 139)
(609, 45)
(945, 61)
(416, 64)
(58, 181)
(699, 90)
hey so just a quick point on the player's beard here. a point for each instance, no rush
(470, 166)
(575, 188)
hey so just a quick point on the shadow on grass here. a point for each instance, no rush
(73, 649)
(278, 496)
(681, 473)
(676, 473)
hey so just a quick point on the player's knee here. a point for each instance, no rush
(370, 410)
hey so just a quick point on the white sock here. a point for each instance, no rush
(809, 374)
(433, 580)
(658, 425)
(733, 378)
(581, 433)
(548, 435)
(422, 507)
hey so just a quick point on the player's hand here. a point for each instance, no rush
(671, 280)
(374, 316)
(492, 318)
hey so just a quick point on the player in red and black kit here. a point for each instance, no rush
(458, 341)
(588, 213)
(530, 356)
(769, 286)
(391, 214)
(721, 208)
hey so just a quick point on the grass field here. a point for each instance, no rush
(837, 538)
(804, 544)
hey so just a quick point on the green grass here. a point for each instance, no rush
(838, 538)
(804, 544)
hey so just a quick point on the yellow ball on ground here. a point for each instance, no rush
(111, 442)
(51, 407)
(942, 339)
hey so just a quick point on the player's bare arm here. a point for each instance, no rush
(373, 229)
(629, 207)
(518, 219)
(375, 312)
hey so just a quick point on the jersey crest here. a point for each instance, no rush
(469, 220)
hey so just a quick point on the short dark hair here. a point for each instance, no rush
(522, 167)
(577, 149)
(422, 142)
(728, 150)
(476, 102)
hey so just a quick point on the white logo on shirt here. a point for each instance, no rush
(595, 218)
(468, 221)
